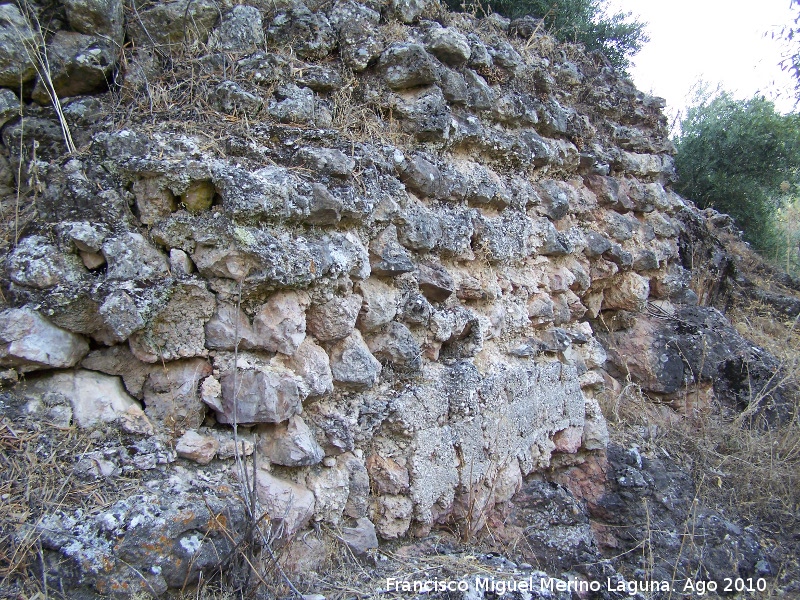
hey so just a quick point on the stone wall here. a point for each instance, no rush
(387, 269)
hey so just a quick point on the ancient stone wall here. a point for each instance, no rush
(377, 239)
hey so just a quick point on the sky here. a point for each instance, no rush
(716, 41)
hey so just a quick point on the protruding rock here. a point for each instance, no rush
(228, 328)
(379, 305)
(326, 160)
(568, 440)
(171, 394)
(360, 39)
(17, 41)
(180, 265)
(293, 104)
(28, 342)
(393, 517)
(420, 229)
(121, 318)
(409, 11)
(449, 45)
(388, 257)
(595, 430)
(177, 330)
(173, 22)
(308, 34)
(335, 319)
(285, 502)
(629, 293)
(280, 325)
(360, 538)
(290, 444)
(264, 394)
(95, 398)
(240, 31)
(196, 447)
(131, 256)
(406, 66)
(37, 263)
(119, 360)
(387, 476)
(78, 64)
(154, 200)
(352, 364)
(312, 364)
(420, 175)
(97, 17)
(198, 196)
(229, 97)
(435, 282)
(395, 345)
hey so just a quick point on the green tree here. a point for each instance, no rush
(584, 21)
(734, 155)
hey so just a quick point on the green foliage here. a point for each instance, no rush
(734, 155)
(584, 21)
(791, 60)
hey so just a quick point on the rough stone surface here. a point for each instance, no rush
(409, 254)
(96, 399)
(395, 345)
(131, 256)
(264, 394)
(37, 263)
(285, 502)
(335, 319)
(173, 22)
(239, 31)
(290, 444)
(449, 45)
(360, 538)
(313, 364)
(352, 364)
(407, 66)
(196, 447)
(29, 343)
(177, 330)
(280, 325)
(360, 40)
(309, 34)
(16, 65)
(379, 305)
(229, 97)
(171, 393)
(388, 256)
(97, 17)
(79, 64)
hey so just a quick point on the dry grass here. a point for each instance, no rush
(36, 479)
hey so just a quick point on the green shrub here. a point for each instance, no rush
(733, 155)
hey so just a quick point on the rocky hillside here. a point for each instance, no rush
(291, 286)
